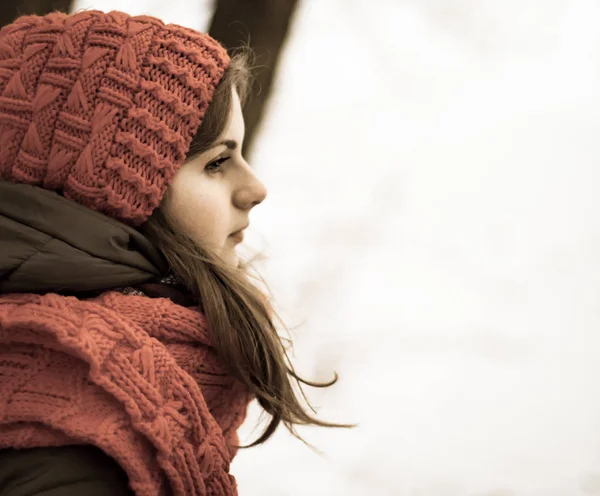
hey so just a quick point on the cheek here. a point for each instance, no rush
(195, 207)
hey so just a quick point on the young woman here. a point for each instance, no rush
(131, 336)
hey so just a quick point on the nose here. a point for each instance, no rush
(250, 193)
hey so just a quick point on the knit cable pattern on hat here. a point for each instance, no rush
(135, 376)
(102, 107)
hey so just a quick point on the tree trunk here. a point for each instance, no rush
(11, 9)
(263, 24)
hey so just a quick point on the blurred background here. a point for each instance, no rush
(432, 234)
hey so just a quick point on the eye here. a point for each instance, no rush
(215, 166)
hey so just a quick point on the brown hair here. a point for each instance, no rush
(239, 315)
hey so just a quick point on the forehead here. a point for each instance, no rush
(235, 125)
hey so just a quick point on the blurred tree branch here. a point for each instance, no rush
(11, 9)
(263, 26)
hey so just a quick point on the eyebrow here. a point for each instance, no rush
(231, 144)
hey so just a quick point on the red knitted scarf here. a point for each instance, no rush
(132, 375)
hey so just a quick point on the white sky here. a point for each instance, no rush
(433, 224)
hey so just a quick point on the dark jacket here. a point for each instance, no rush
(62, 471)
(51, 244)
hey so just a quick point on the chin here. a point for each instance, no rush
(230, 257)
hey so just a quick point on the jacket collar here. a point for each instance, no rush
(49, 243)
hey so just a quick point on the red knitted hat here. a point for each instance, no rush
(102, 107)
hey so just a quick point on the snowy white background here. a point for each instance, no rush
(433, 225)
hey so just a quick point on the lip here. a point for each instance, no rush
(238, 236)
